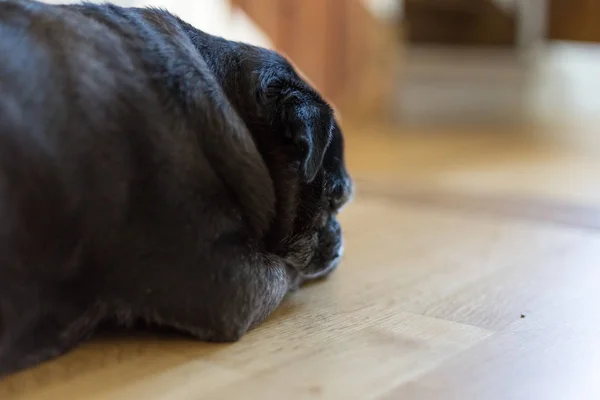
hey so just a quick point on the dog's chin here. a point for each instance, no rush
(328, 252)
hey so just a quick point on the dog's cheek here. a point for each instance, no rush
(301, 250)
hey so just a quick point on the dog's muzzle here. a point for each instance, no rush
(329, 251)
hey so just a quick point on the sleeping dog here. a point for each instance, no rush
(152, 172)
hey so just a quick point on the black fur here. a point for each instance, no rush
(152, 172)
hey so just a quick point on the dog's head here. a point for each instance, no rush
(301, 141)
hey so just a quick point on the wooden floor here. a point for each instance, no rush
(472, 271)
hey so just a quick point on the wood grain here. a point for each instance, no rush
(530, 208)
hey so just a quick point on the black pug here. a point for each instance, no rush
(152, 172)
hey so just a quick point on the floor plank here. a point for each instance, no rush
(475, 161)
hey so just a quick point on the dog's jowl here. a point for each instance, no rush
(150, 172)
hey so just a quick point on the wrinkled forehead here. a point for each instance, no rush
(267, 63)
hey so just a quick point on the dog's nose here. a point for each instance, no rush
(341, 194)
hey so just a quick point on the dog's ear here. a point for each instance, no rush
(309, 126)
(306, 119)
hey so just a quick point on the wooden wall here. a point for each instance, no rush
(576, 20)
(459, 23)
